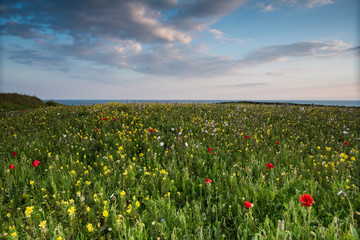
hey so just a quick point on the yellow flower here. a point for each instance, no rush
(328, 148)
(73, 172)
(105, 214)
(31, 182)
(14, 234)
(42, 224)
(137, 204)
(88, 209)
(71, 211)
(59, 238)
(122, 193)
(90, 227)
(28, 211)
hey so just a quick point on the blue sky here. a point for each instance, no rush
(173, 49)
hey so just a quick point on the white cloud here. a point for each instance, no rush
(221, 36)
(274, 73)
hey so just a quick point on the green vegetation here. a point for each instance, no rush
(15, 101)
(180, 171)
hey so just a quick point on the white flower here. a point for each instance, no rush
(186, 144)
(161, 144)
(345, 132)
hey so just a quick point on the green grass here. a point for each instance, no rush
(138, 171)
(15, 102)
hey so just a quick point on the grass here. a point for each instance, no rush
(139, 171)
(15, 102)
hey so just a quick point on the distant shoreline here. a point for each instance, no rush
(339, 103)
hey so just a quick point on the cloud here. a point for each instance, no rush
(147, 36)
(220, 36)
(93, 19)
(300, 49)
(270, 6)
(243, 85)
(198, 15)
(274, 73)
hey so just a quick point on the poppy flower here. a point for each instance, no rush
(105, 119)
(13, 154)
(12, 166)
(247, 136)
(115, 119)
(278, 143)
(209, 181)
(96, 129)
(244, 168)
(269, 165)
(35, 163)
(152, 130)
(248, 204)
(307, 200)
(346, 143)
(209, 150)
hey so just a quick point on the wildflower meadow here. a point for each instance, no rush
(180, 171)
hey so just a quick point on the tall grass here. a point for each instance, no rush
(142, 171)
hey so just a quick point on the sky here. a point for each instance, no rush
(181, 49)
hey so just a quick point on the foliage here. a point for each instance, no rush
(180, 171)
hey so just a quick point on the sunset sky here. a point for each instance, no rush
(173, 49)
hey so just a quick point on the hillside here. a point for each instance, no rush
(15, 101)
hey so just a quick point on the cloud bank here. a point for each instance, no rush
(146, 36)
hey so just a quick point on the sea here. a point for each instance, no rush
(346, 103)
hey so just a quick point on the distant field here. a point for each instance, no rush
(180, 171)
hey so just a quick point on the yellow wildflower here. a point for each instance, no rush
(71, 211)
(105, 214)
(90, 227)
(28, 211)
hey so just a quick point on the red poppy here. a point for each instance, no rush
(35, 163)
(209, 150)
(96, 129)
(307, 200)
(248, 204)
(247, 136)
(13, 154)
(209, 181)
(152, 130)
(278, 143)
(105, 119)
(12, 166)
(244, 168)
(346, 143)
(269, 165)
(115, 119)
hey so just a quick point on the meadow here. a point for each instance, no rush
(180, 171)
